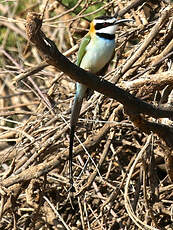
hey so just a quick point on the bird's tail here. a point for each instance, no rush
(77, 104)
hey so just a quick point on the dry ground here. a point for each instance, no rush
(122, 171)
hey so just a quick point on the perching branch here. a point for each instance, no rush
(133, 106)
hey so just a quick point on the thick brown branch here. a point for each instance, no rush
(51, 54)
(163, 131)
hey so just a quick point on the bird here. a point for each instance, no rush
(95, 52)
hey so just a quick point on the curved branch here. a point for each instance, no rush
(133, 106)
(51, 54)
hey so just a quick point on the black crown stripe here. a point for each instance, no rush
(104, 17)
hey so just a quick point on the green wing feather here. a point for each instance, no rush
(82, 48)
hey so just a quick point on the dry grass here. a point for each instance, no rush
(121, 179)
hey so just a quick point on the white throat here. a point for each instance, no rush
(108, 30)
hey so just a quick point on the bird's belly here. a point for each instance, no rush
(99, 53)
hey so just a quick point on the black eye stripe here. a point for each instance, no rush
(104, 17)
(99, 26)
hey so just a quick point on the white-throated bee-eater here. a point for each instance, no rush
(95, 52)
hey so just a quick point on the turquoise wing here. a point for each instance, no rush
(82, 48)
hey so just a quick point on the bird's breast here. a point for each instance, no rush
(98, 53)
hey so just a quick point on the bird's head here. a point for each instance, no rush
(105, 25)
